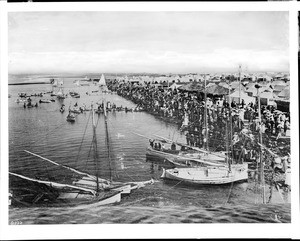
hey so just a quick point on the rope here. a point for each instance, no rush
(116, 173)
(82, 140)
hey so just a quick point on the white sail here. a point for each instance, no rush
(55, 83)
(102, 83)
(77, 83)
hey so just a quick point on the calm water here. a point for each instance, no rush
(45, 131)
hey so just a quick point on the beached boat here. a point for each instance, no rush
(85, 189)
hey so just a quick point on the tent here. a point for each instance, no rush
(252, 91)
(236, 95)
(174, 86)
(217, 90)
(210, 84)
(192, 86)
(224, 84)
(278, 82)
(285, 93)
(267, 98)
(236, 85)
(278, 88)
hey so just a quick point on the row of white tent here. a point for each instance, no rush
(249, 93)
(200, 78)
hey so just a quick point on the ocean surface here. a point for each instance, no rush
(45, 131)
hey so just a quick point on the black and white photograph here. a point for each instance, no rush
(149, 117)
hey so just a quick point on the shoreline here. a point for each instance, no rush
(29, 83)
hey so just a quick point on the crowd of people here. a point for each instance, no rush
(219, 124)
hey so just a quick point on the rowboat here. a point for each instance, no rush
(70, 117)
(45, 101)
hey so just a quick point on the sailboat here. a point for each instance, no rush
(102, 84)
(209, 175)
(87, 188)
(190, 152)
(60, 93)
(54, 85)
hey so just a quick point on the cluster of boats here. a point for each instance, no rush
(194, 165)
(182, 163)
(73, 111)
(86, 188)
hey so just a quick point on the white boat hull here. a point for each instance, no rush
(208, 175)
(78, 198)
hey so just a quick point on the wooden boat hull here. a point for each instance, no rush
(159, 155)
(208, 175)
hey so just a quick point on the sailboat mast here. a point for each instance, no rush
(205, 116)
(107, 140)
(227, 146)
(96, 158)
(262, 178)
(239, 121)
(239, 84)
(230, 123)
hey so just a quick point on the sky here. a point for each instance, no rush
(153, 42)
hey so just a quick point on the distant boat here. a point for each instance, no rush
(77, 82)
(74, 110)
(102, 84)
(23, 95)
(60, 94)
(70, 117)
(74, 94)
(45, 101)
